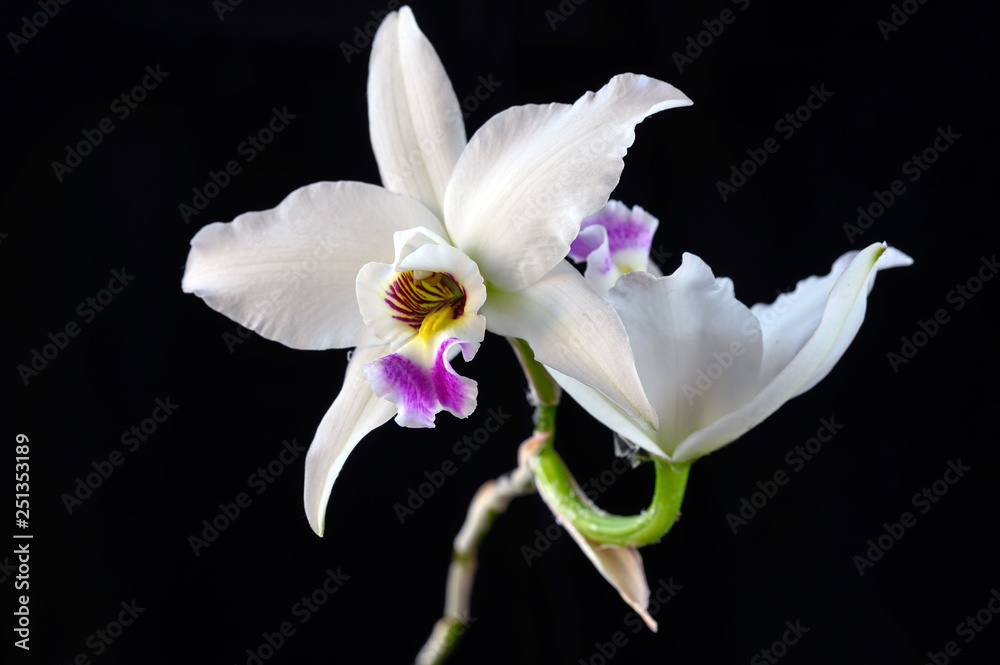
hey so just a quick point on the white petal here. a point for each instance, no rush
(842, 317)
(696, 347)
(575, 331)
(788, 322)
(842, 298)
(354, 413)
(288, 273)
(607, 413)
(532, 173)
(621, 566)
(415, 122)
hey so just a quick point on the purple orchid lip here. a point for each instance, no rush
(626, 230)
(421, 391)
(613, 241)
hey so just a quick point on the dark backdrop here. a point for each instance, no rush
(235, 399)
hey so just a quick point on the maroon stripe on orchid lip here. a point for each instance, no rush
(416, 299)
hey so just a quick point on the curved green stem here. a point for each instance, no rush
(556, 483)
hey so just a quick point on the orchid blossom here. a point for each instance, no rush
(711, 367)
(714, 368)
(462, 237)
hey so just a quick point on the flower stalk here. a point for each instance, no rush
(556, 484)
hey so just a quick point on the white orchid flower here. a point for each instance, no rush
(714, 368)
(402, 271)
(614, 241)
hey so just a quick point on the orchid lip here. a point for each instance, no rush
(425, 300)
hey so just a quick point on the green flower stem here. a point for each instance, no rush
(556, 482)
(545, 392)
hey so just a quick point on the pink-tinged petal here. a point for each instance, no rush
(532, 173)
(613, 242)
(289, 273)
(843, 314)
(627, 230)
(416, 124)
(574, 330)
(590, 239)
(355, 412)
(421, 386)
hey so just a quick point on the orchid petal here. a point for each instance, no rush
(613, 242)
(355, 413)
(288, 273)
(700, 347)
(575, 331)
(532, 173)
(416, 124)
(843, 313)
(608, 413)
(420, 380)
(789, 322)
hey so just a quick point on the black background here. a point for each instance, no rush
(238, 402)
